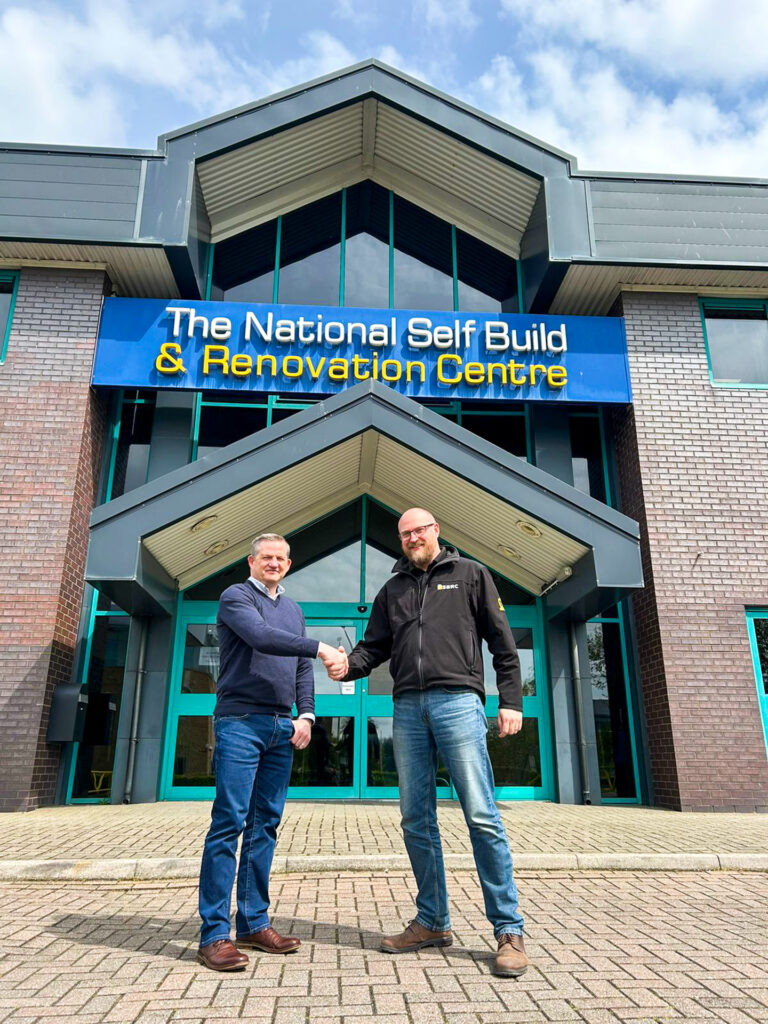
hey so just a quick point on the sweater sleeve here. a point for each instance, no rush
(244, 618)
(494, 629)
(305, 681)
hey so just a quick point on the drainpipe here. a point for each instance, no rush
(140, 673)
(578, 691)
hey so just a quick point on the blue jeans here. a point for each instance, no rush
(252, 762)
(452, 722)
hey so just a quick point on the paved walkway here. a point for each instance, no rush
(164, 840)
(635, 947)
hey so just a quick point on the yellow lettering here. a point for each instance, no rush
(502, 372)
(517, 381)
(216, 355)
(532, 372)
(474, 373)
(315, 371)
(416, 367)
(441, 361)
(393, 374)
(338, 369)
(241, 365)
(167, 362)
(296, 361)
(270, 360)
(557, 376)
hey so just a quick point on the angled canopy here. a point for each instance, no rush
(547, 537)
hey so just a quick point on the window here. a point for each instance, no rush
(423, 259)
(310, 254)
(244, 267)
(131, 452)
(613, 723)
(8, 283)
(487, 279)
(366, 255)
(737, 343)
(757, 626)
(587, 455)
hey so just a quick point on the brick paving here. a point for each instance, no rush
(606, 947)
(177, 830)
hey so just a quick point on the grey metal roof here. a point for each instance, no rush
(523, 522)
(215, 177)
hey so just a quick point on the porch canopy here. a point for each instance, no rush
(545, 536)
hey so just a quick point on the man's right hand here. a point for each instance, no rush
(334, 659)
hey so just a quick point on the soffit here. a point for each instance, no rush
(589, 289)
(477, 192)
(136, 271)
(377, 465)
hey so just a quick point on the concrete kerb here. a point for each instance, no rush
(157, 868)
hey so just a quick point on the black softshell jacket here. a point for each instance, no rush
(430, 624)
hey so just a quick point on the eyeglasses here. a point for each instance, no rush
(417, 531)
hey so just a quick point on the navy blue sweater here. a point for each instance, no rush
(264, 654)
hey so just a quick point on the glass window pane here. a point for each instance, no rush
(6, 293)
(738, 345)
(587, 456)
(132, 456)
(244, 266)
(201, 658)
(326, 558)
(516, 760)
(423, 259)
(609, 702)
(509, 593)
(524, 643)
(330, 757)
(212, 589)
(761, 634)
(507, 432)
(336, 636)
(487, 278)
(381, 756)
(193, 756)
(223, 425)
(104, 685)
(366, 257)
(310, 254)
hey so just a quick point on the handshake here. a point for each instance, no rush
(334, 659)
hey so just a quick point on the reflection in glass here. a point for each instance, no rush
(761, 636)
(524, 642)
(366, 257)
(336, 577)
(310, 254)
(487, 279)
(587, 456)
(381, 756)
(507, 432)
(244, 266)
(201, 658)
(221, 425)
(193, 756)
(609, 702)
(104, 686)
(212, 588)
(132, 455)
(6, 294)
(423, 259)
(329, 759)
(516, 759)
(335, 636)
(738, 345)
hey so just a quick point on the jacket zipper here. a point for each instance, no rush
(422, 598)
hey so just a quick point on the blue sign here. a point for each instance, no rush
(310, 350)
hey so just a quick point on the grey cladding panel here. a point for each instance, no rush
(68, 195)
(680, 221)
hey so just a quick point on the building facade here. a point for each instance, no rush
(310, 313)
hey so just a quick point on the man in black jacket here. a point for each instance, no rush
(430, 620)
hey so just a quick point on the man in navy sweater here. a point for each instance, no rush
(264, 669)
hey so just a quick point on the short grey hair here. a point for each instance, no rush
(258, 541)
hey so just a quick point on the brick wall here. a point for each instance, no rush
(51, 434)
(693, 466)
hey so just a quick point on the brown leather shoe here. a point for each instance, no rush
(221, 956)
(511, 960)
(414, 937)
(268, 941)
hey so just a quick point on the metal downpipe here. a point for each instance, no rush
(578, 693)
(134, 740)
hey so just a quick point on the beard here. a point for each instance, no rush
(422, 557)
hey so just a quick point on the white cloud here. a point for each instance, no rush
(590, 110)
(710, 40)
(445, 15)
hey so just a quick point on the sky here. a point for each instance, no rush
(658, 86)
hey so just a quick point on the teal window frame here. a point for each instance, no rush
(760, 681)
(9, 277)
(114, 437)
(735, 305)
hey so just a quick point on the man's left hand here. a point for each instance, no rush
(510, 722)
(302, 733)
